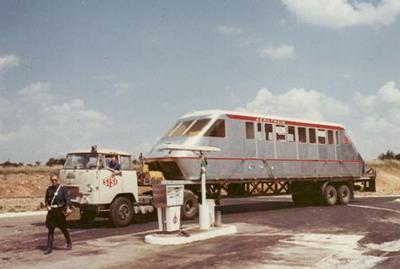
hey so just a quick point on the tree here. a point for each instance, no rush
(55, 161)
(389, 155)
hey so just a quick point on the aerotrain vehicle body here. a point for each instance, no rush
(256, 146)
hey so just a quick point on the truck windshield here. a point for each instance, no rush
(81, 161)
(188, 128)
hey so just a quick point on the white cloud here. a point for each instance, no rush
(8, 62)
(297, 103)
(38, 88)
(279, 52)
(372, 120)
(37, 116)
(230, 30)
(389, 93)
(4, 136)
(364, 102)
(343, 13)
(122, 87)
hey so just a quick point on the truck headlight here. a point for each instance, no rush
(89, 187)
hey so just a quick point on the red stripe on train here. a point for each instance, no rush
(283, 122)
(255, 159)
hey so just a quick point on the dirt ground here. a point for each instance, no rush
(23, 188)
(388, 176)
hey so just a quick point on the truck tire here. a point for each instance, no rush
(121, 212)
(190, 207)
(87, 216)
(344, 194)
(330, 195)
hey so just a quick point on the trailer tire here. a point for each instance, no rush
(121, 212)
(330, 195)
(190, 207)
(87, 216)
(344, 194)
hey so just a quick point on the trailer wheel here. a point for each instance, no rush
(330, 195)
(121, 212)
(190, 207)
(344, 194)
(87, 216)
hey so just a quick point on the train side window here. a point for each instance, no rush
(291, 134)
(280, 132)
(302, 134)
(311, 134)
(330, 137)
(321, 136)
(259, 127)
(249, 130)
(217, 129)
(268, 132)
(337, 137)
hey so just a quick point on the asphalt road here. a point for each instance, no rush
(272, 233)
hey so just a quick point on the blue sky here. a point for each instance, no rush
(119, 73)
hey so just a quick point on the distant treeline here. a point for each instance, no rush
(389, 155)
(50, 162)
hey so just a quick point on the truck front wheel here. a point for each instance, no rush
(121, 212)
(190, 207)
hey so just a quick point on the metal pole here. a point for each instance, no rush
(204, 217)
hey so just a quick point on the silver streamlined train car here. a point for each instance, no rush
(257, 147)
(262, 155)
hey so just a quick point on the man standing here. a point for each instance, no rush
(58, 205)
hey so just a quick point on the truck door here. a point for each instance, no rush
(128, 176)
(109, 185)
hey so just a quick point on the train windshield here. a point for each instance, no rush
(197, 127)
(188, 127)
(180, 128)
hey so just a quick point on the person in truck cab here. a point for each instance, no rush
(114, 166)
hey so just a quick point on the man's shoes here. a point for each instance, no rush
(69, 246)
(49, 247)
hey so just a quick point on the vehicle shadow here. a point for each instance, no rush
(255, 207)
(104, 222)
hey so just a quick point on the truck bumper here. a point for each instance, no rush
(90, 207)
